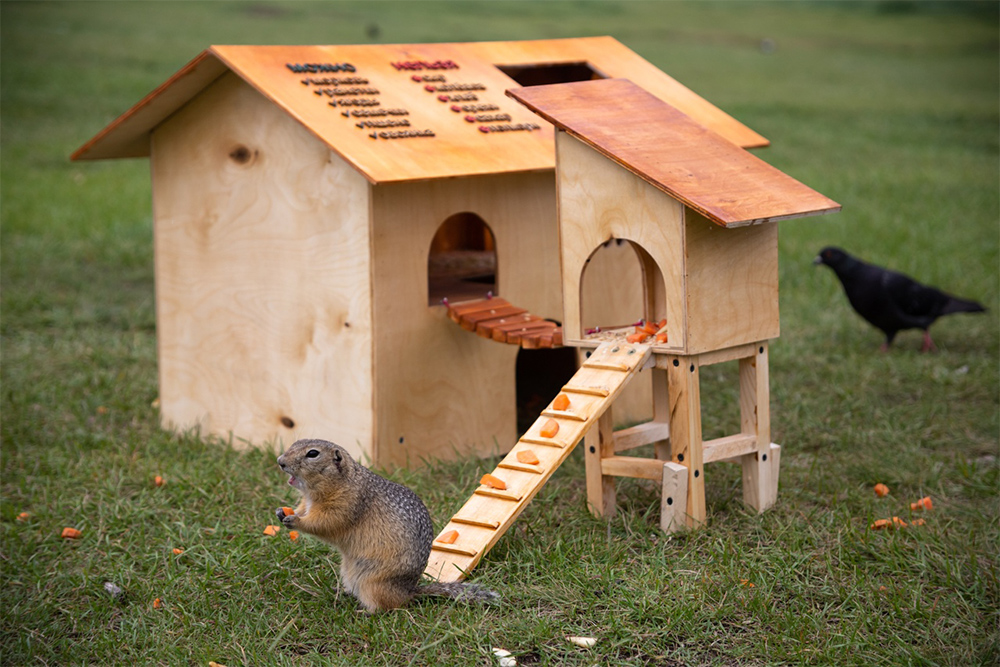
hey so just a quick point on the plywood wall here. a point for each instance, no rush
(443, 391)
(264, 320)
(732, 283)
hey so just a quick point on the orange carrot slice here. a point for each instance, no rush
(661, 338)
(157, 481)
(881, 490)
(157, 603)
(527, 456)
(23, 516)
(561, 402)
(448, 537)
(293, 535)
(917, 522)
(637, 337)
(922, 504)
(272, 530)
(648, 327)
(71, 533)
(287, 511)
(493, 482)
(549, 429)
(880, 524)
(178, 552)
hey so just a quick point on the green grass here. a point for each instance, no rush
(891, 109)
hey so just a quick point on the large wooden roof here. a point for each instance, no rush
(665, 147)
(409, 112)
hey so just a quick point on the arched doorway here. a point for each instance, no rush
(462, 261)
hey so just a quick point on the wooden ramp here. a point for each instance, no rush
(491, 511)
(496, 318)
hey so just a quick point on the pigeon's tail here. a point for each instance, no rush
(956, 305)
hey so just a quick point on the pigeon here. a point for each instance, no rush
(892, 301)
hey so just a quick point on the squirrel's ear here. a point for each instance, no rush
(336, 456)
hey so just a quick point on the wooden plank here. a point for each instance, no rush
(251, 355)
(641, 434)
(600, 486)
(593, 391)
(451, 548)
(685, 433)
(673, 502)
(490, 505)
(475, 521)
(728, 447)
(703, 170)
(755, 420)
(631, 466)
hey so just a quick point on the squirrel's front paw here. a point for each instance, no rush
(282, 517)
(290, 521)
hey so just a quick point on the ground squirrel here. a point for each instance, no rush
(382, 529)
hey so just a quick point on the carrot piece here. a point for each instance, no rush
(157, 481)
(527, 456)
(71, 533)
(880, 524)
(178, 552)
(287, 511)
(157, 603)
(23, 516)
(272, 530)
(493, 482)
(881, 490)
(662, 323)
(661, 338)
(636, 337)
(448, 537)
(917, 522)
(899, 522)
(293, 535)
(561, 402)
(922, 504)
(549, 429)
(648, 327)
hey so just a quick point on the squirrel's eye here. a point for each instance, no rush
(312, 453)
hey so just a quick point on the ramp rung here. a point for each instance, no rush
(523, 467)
(473, 521)
(605, 366)
(592, 391)
(564, 414)
(451, 548)
(541, 441)
(496, 493)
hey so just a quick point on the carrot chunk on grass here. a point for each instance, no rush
(71, 533)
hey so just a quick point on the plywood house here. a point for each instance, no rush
(313, 204)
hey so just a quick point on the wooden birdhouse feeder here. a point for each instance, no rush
(312, 206)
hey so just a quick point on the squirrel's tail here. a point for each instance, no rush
(459, 590)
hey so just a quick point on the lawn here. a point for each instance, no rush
(891, 109)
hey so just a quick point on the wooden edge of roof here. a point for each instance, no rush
(151, 110)
(827, 205)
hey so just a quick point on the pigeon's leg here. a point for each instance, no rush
(888, 341)
(928, 345)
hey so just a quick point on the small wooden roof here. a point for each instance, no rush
(660, 144)
(408, 111)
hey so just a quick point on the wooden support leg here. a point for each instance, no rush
(661, 411)
(673, 503)
(759, 489)
(600, 443)
(685, 431)
(775, 461)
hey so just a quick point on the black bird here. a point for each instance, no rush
(892, 301)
